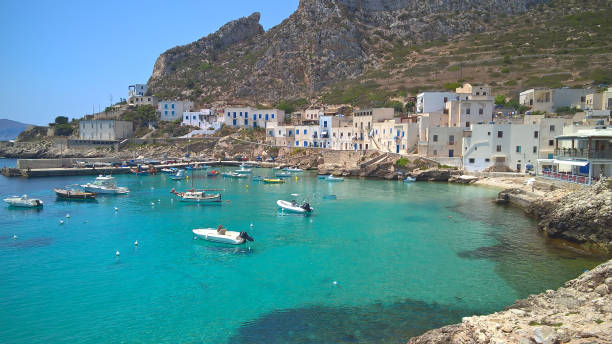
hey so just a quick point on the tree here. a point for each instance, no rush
(396, 105)
(61, 120)
(500, 100)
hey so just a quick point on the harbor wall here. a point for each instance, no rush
(25, 164)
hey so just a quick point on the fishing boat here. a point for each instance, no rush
(73, 193)
(222, 236)
(283, 175)
(331, 178)
(273, 181)
(197, 196)
(294, 207)
(293, 169)
(105, 185)
(213, 173)
(409, 180)
(243, 170)
(23, 202)
(180, 175)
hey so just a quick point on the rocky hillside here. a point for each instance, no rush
(579, 312)
(327, 41)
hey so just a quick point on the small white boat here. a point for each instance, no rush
(23, 202)
(180, 175)
(235, 175)
(169, 170)
(294, 207)
(194, 196)
(331, 178)
(243, 165)
(409, 180)
(293, 170)
(283, 175)
(105, 185)
(243, 170)
(227, 237)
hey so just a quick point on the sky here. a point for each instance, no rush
(68, 57)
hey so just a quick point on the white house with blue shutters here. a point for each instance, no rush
(172, 110)
(205, 119)
(248, 117)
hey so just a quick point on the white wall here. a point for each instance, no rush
(433, 101)
(171, 110)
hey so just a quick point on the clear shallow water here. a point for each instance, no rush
(401, 264)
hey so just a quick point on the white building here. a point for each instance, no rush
(548, 100)
(243, 117)
(171, 110)
(306, 135)
(137, 90)
(433, 101)
(512, 146)
(105, 130)
(363, 121)
(474, 105)
(142, 100)
(205, 119)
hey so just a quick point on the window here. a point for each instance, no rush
(165, 112)
(165, 106)
(194, 117)
(480, 111)
(535, 134)
(228, 114)
(472, 160)
(518, 149)
(324, 124)
(435, 138)
(266, 117)
(500, 134)
(305, 131)
(582, 99)
(467, 124)
(552, 128)
(186, 117)
(305, 144)
(297, 143)
(435, 152)
(246, 114)
(551, 142)
(535, 149)
(468, 111)
(384, 131)
(272, 115)
(484, 93)
(498, 148)
(234, 115)
(246, 121)
(487, 160)
(477, 93)
(297, 131)
(451, 140)
(259, 116)
(254, 117)
(488, 133)
(172, 112)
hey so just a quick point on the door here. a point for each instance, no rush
(396, 148)
(518, 167)
(451, 153)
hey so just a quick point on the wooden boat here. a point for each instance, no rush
(273, 181)
(197, 196)
(224, 237)
(74, 194)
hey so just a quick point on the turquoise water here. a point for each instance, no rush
(383, 262)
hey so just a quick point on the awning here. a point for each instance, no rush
(546, 161)
(572, 162)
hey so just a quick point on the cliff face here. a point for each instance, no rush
(323, 42)
(579, 312)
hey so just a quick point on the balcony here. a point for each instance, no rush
(583, 153)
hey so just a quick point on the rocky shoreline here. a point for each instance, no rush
(580, 312)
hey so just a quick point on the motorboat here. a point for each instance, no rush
(244, 165)
(283, 175)
(180, 175)
(197, 196)
(222, 236)
(23, 202)
(273, 181)
(276, 168)
(73, 193)
(143, 171)
(235, 175)
(213, 173)
(105, 185)
(321, 176)
(171, 170)
(331, 178)
(294, 207)
(243, 170)
(410, 179)
(293, 169)
(258, 178)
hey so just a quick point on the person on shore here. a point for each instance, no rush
(221, 230)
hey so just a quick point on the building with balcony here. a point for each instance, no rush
(474, 105)
(245, 117)
(582, 157)
(137, 90)
(172, 110)
(363, 121)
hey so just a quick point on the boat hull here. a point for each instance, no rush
(65, 194)
(211, 234)
(101, 191)
(273, 181)
(19, 203)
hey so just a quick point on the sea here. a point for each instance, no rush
(382, 262)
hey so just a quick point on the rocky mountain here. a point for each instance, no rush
(324, 42)
(9, 130)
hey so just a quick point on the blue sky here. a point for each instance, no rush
(63, 57)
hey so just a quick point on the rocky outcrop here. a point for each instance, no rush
(579, 312)
(434, 175)
(323, 42)
(583, 216)
(463, 179)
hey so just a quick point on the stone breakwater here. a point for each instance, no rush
(578, 312)
(582, 217)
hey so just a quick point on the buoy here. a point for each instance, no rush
(335, 282)
(159, 200)
(195, 237)
(450, 217)
(152, 203)
(136, 243)
(116, 209)
(228, 201)
(67, 216)
(246, 186)
(61, 222)
(251, 225)
(187, 177)
(15, 237)
(117, 253)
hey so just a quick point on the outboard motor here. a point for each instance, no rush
(246, 236)
(306, 206)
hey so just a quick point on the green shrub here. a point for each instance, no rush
(451, 86)
(402, 162)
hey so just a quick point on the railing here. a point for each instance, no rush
(567, 177)
(583, 153)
